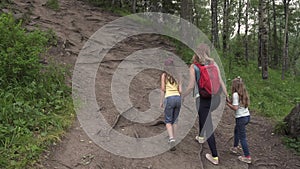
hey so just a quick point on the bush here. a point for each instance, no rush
(36, 103)
(19, 52)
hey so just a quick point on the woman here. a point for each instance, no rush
(203, 58)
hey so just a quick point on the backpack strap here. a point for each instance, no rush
(197, 72)
(196, 88)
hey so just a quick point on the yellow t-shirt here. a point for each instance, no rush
(171, 90)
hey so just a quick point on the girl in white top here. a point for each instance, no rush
(240, 103)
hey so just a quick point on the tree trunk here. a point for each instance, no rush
(117, 3)
(133, 6)
(225, 28)
(264, 40)
(185, 13)
(259, 62)
(286, 38)
(269, 31)
(246, 32)
(239, 17)
(275, 59)
(214, 24)
(186, 10)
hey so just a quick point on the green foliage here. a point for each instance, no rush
(5, 3)
(36, 103)
(293, 143)
(273, 97)
(183, 51)
(52, 4)
(281, 127)
(19, 51)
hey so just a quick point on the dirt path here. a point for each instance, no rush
(74, 23)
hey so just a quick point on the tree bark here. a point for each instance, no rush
(246, 32)
(286, 39)
(186, 10)
(214, 24)
(275, 59)
(264, 39)
(239, 17)
(185, 13)
(259, 64)
(133, 6)
(225, 28)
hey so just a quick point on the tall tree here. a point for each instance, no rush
(225, 33)
(133, 4)
(275, 58)
(239, 17)
(186, 11)
(263, 33)
(202, 16)
(259, 34)
(214, 24)
(246, 31)
(286, 38)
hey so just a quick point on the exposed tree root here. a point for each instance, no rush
(65, 165)
(267, 164)
(200, 157)
(157, 123)
(118, 118)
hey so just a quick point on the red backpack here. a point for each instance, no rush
(209, 82)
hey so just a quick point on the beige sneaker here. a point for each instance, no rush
(234, 150)
(245, 159)
(200, 140)
(172, 144)
(214, 160)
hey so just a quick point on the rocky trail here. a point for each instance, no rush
(73, 24)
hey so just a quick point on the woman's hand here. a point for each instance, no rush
(228, 100)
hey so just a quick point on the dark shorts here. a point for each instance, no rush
(172, 109)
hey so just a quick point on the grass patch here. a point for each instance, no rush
(52, 4)
(272, 97)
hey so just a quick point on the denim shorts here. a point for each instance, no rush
(172, 109)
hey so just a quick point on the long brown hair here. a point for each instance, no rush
(239, 87)
(202, 55)
(170, 79)
(170, 69)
